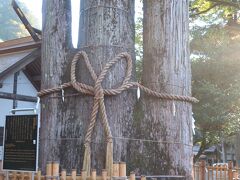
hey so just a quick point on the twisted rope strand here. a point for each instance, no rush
(89, 90)
(98, 106)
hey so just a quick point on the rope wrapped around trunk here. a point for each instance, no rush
(98, 106)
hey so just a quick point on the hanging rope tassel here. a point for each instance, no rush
(109, 157)
(87, 159)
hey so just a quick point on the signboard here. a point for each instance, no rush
(20, 143)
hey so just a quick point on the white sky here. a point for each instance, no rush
(35, 6)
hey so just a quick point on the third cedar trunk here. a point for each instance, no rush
(166, 69)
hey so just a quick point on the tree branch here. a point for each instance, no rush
(206, 10)
(217, 3)
(225, 3)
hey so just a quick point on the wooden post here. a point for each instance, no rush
(55, 170)
(115, 169)
(104, 174)
(14, 175)
(230, 170)
(202, 170)
(132, 176)
(22, 176)
(74, 174)
(237, 170)
(39, 174)
(217, 169)
(29, 175)
(221, 168)
(93, 174)
(1, 176)
(122, 169)
(209, 170)
(235, 175)
(143, 177)
(84, 175)
(63, 174)
(49, 170)
(225, 171)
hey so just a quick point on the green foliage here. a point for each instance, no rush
(11, 26)
(210, 42)
(213, 11)
(214, 49)
(216, 83)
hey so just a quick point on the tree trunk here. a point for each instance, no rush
(223, 153)
(166, 69)
(106, 29)
(58, 120)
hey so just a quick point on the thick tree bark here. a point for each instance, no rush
(106, 29)
(166, 68)
(56, 115)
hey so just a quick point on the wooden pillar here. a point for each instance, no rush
(1, 176)
(74, 174)
(143, 177)
(39, 174)
(132, 176)
(55, 170)
(14, 175)
(230, 170)
(49, 170)
(29, 176)
(63, 174)
(115, 169)
(202, 170)
(93, 174)
(22, 176)
(104, 174)
(84, 175)
(122, 169)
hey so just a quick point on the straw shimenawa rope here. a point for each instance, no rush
(98, 92)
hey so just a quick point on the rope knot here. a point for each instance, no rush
(99, 92)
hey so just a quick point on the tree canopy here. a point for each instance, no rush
(213, 8)
(215, 69)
